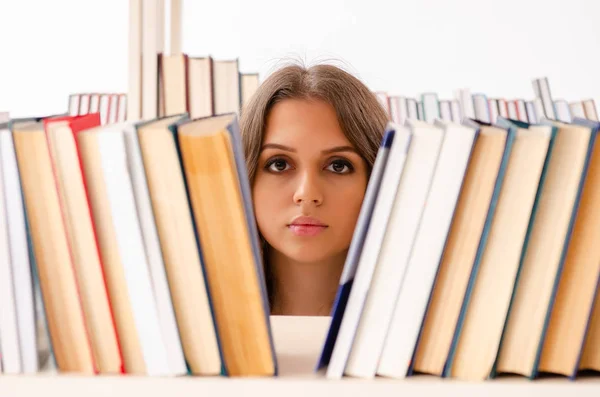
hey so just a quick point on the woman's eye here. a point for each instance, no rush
(278, 165)
(340, 167)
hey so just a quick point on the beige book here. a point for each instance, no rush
(577, 287)
(461, 248)
(82, 242)
(250, 83)
(113, 268)
(180, 250)
(226, 86)
(216, 200)
(173, 92)
(542, 260)
(483, 323)
(66, 323)
(200, 87)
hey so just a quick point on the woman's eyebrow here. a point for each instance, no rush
(277, 146)
(340, 149)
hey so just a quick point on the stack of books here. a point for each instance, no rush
(142, 246)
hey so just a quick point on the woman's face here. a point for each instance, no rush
(309, 184)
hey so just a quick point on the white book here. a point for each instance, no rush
(431, 107)
(577, 110)
(445, 111)
(130, 245)
(590, 109)
(399, 109)
(370, 252)
(493, 108)
(455, 109)
(404, 219)
(162, 294)
(482, 108)
(9, 332)
(532, 114)
(522, 110)
(513, 113)
(563, 112)
(466, 101)
(413, 297)
(19, 253)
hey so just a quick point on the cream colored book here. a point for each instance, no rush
(430, 238)
(9, 330)
(111, 259)
(403, 221)
(70, 344)
(82, 244)
(481, 329)
(374, 240)
(474, 209)
(572, 308)
(19, 254)
(522, 340)
(162, 293)
(178, 243)
(130, 246)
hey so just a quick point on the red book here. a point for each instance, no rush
(98, 304)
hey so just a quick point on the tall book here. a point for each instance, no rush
(572, 309)
(358, 362)
(546, 247)
(162, 292)
(81, 237)
(19, 255)
(352, 258)
(427, 248)
(474, 212)
(105, 147)
(181, 255)
(71, 344)
(477, 337)
(237, 292)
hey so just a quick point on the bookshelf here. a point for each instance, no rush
(298, 342)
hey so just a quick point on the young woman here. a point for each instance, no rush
(310, 138)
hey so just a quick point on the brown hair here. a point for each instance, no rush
(361, 116)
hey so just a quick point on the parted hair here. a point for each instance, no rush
(360, 115)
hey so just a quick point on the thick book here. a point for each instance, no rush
(478, 336)
(236, 288)
(181, 254)
(474, 211)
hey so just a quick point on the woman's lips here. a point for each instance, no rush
(306, 226)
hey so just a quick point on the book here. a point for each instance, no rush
(428, 244)
(570, 314)
(81, 238)
(232, 272)
(62, 303)
(181, 253)
(352, 258)
(474, 211)
(477, 338)
(363, 357)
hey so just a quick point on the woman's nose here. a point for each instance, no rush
(308, 190)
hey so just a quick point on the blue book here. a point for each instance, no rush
(355, 249)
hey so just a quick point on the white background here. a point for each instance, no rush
(51, 48)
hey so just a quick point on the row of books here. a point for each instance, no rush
(475, 254)
(141, 243)
(112, 107)
(430, 107)
(202, 86)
